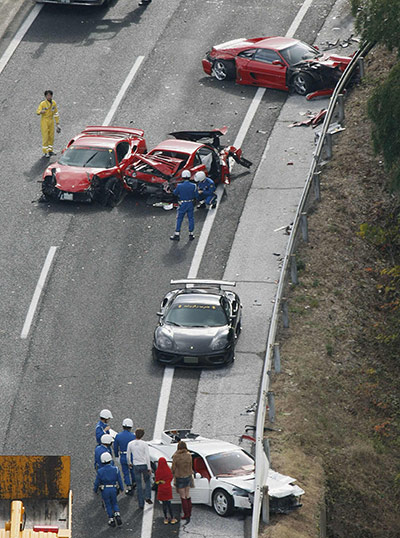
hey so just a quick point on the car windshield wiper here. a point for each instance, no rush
(173, 323)
(90, 158)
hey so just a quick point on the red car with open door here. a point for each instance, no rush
(158, 172)
(282, 63)
(93, 166)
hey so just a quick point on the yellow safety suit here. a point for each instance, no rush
(47, 119)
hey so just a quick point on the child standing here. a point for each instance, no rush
(163, 480)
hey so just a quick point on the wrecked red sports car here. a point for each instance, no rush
(282, 63)
(93, 166)
(157, 172)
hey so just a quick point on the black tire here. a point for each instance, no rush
(113, 192)
(302, 83)
(222, 502)
(224, 70)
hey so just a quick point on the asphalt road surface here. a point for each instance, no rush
(89, 345)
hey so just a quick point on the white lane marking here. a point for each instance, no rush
(38, 291)
(298, 18)
(16, 40)
(122, 91)
(163, 402)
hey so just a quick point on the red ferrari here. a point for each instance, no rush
(282, 63)
(93, 166)
(157, 172)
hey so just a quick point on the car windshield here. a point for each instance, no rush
(93, 157)
(299, 52)
(196, 315)
(235, 463)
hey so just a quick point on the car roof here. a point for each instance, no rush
(276, 42)
(106, 142)
(193, 298)
(172, 144)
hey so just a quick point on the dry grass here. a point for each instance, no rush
(337, 388)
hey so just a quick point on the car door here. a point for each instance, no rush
(266, 68)
(201, 493)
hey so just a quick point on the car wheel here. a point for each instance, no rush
(222, 502)
(113, 191)
(302, 83)
(224, 70)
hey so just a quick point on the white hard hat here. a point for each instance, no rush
(105, 413)
(105, 457)
(106, 439)
(186, 173)
(127, 423)
(199, 176)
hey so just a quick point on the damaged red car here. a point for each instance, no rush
(93, 166)
(281, 63)
(157, 172)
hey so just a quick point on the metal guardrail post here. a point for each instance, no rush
(293, 269)
(285, 313)
(271, 406)
(266, 448)
(317, 186)
(328, 143)
(277, 359)
(361, 66)
(339, 108)
(304, 226)
(265, 505)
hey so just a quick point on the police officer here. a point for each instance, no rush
(108, 479)
(102, 426)
(48, 112)
(120, 445)
(105, 447)
(206, 189)
(187, 194)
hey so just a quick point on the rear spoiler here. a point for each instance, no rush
(194, 282)
(98, 129)
(195, 136)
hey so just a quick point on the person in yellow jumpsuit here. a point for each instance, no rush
(48, 112)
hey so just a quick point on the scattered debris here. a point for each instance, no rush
(314, 119)
(344, 43)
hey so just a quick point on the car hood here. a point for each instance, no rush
(71, 178)
(279, 485)
(193, 340)
(167, 166)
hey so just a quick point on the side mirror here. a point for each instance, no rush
(197, 475)
(278, 62)
(159, 313)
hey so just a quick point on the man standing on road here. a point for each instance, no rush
(187, 194)
(122, 439)
(206, 190)
(102, 426)
(108, 479)
(106, 442)
(138, 457)
(48, 112)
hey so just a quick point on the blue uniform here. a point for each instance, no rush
(107, 479)
(207, 188)
(120, 445)
(100, 430)
(186, 193)
(98, 451)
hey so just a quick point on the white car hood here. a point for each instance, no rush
(279, 485)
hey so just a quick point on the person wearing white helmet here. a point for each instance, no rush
(105, 447)
(206, 189)
(186, 192)
(122, 439)
(102, 426)
(108, 480)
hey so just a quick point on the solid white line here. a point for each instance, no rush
(122, 91)
(38, 291)
(16, 40)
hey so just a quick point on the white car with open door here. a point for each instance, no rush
(224, 474)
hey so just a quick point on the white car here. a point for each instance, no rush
(224, 474)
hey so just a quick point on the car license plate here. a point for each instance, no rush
(67, 195)
(191, 360)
